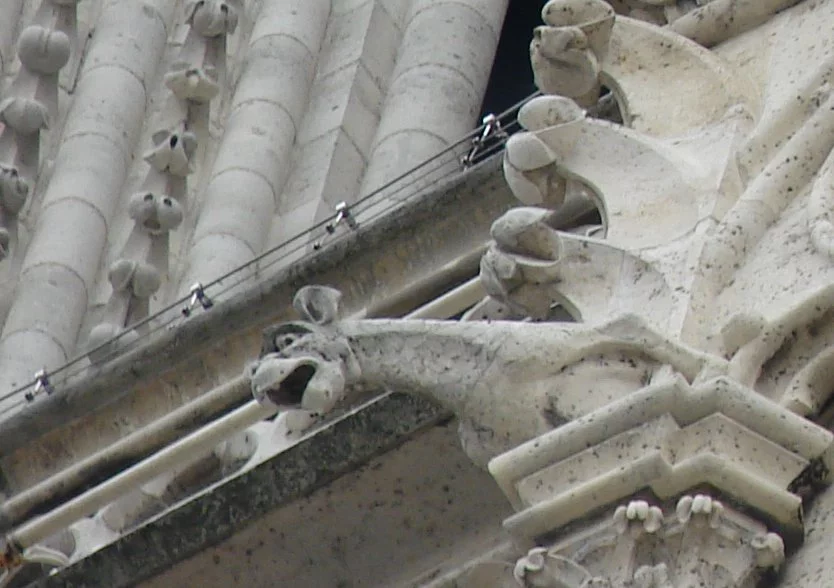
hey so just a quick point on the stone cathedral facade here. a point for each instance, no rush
(281, 303)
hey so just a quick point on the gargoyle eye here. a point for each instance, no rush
(224, 9)
(173, 141)
(284, 341)
(167, 201)
(148, 197)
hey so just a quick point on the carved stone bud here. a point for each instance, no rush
(156, 214)
(42, 50)
(172, 151)
(13, 190)
(5, 242)
(541, 569)
(102, 342)
(24, 115)
(638, 516)
(700, 509)
(193, 83)
(211, 18)
(140, 279)
(770, 550)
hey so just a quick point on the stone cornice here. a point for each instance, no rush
(430, 232)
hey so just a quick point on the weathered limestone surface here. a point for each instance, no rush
(436, 88)
(98, 139)
(692, 370)
(192, 357)
(656, 417)
(308, 466)
(249, 187)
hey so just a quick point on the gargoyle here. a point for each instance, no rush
(507, 382)
(566, 53)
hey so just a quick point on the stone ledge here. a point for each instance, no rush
(439, 226)
(218, 513)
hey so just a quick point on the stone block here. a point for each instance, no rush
(326, 170)
(347, 98)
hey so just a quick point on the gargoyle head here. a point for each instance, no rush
(525, 250)
(305, 364)
(566, 52)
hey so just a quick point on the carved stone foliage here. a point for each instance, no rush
(194, 80)
(27, 107)
(701, 542)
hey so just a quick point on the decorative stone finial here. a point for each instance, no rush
(197, 84)
(24, 115)
(172, 152)
(13, 190)
(140, 279)
(211, 18)
(42, 50)
(157, 214)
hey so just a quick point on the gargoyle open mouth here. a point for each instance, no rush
(307, 382)
(290, 391)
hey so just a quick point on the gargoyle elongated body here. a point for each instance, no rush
(507, 382)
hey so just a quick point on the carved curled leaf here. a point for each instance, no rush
(24, 115)
(770, 550)
(639, 512)
(710, 509)
(121, 273)
(13, 190)
(318, 304)
(172, 151)
(146, 280)
(5, 241)
(198, 84)
(155, 213)
(547, 111)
